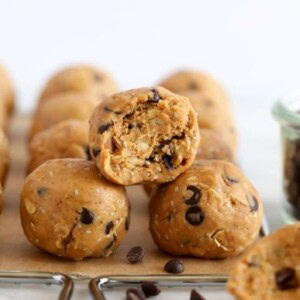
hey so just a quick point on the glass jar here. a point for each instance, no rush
(287, 113)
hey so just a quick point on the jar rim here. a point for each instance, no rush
(282, 110)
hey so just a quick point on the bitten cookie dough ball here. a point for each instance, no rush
(270, 270)
(196, 81)
(5, 157)
(212, 146)
(70, 210)
(68, 139)
(216, 114)
(81, 78)
(68, 106)
(210, 211)
(7, 93)
(144, 135)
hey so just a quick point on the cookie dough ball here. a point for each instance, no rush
(269, 270)
(5, 157)
(70, 210)
(196, 81)
(210, 211)
(68, 106)
(144, 135)
(212, 146)
(7, 94)
(1, 198)
(80, 78)
(216, 114)
(68, 139)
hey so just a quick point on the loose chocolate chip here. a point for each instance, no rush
(86, 216)
(174, 266)
(195, 197)
(109, 227)
(231, 179)
(104, 127)
(286, 279)
(193, 86)
(194, 215)
(150, 289)
(167, 159)
(96, 152)
(109, 245)
(87, 152)
(134, 294)
(127, 223)
(196, 296)
(41, 191)
(156, 97)
(253, 203)
(135, 255)
(97, 77)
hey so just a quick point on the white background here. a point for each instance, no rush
(252, 46)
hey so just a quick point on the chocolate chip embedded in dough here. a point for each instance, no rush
(41, 191)
(286, 279)
(167, 159)
(109, 227)
(87, 152)
(194, 215)
(195, 198)
(96, 152)
(104, 127)
(86, 216)
(156, 97)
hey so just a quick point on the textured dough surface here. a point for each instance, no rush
(68, 209)
(144, 135)
(196, 81)
(254, 275)
(7, 93)
(63, 107)
(67, 139)
(80, 78)
(214, 113)
(210, 211)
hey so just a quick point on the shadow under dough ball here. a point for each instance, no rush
(144, 135)
(78, 79)
(67, 139)
(210, 211)
(68, 209)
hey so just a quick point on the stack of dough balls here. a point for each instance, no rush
(7, 105)
(177, 139)
(67, 207)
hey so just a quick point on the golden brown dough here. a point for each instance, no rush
(7, 93)
(68, 209)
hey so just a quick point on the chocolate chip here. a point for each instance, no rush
(135, 255)
(109, 245)
(174, 266)
(167, 159)
(195, 197)
(96, 152)
(86, 216)
(150, 289)
(179, 137)
(87, 152)
(231, 179)
(130, 126)
(134, 294)
(97, 77)
(127, 223)
(194, 215)
(286, 279)
(41, 191)
(193, 86)
(156, 97)
(196, 296)
(104, 127)
(110, 110)
(109, 227)
(253, 203)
